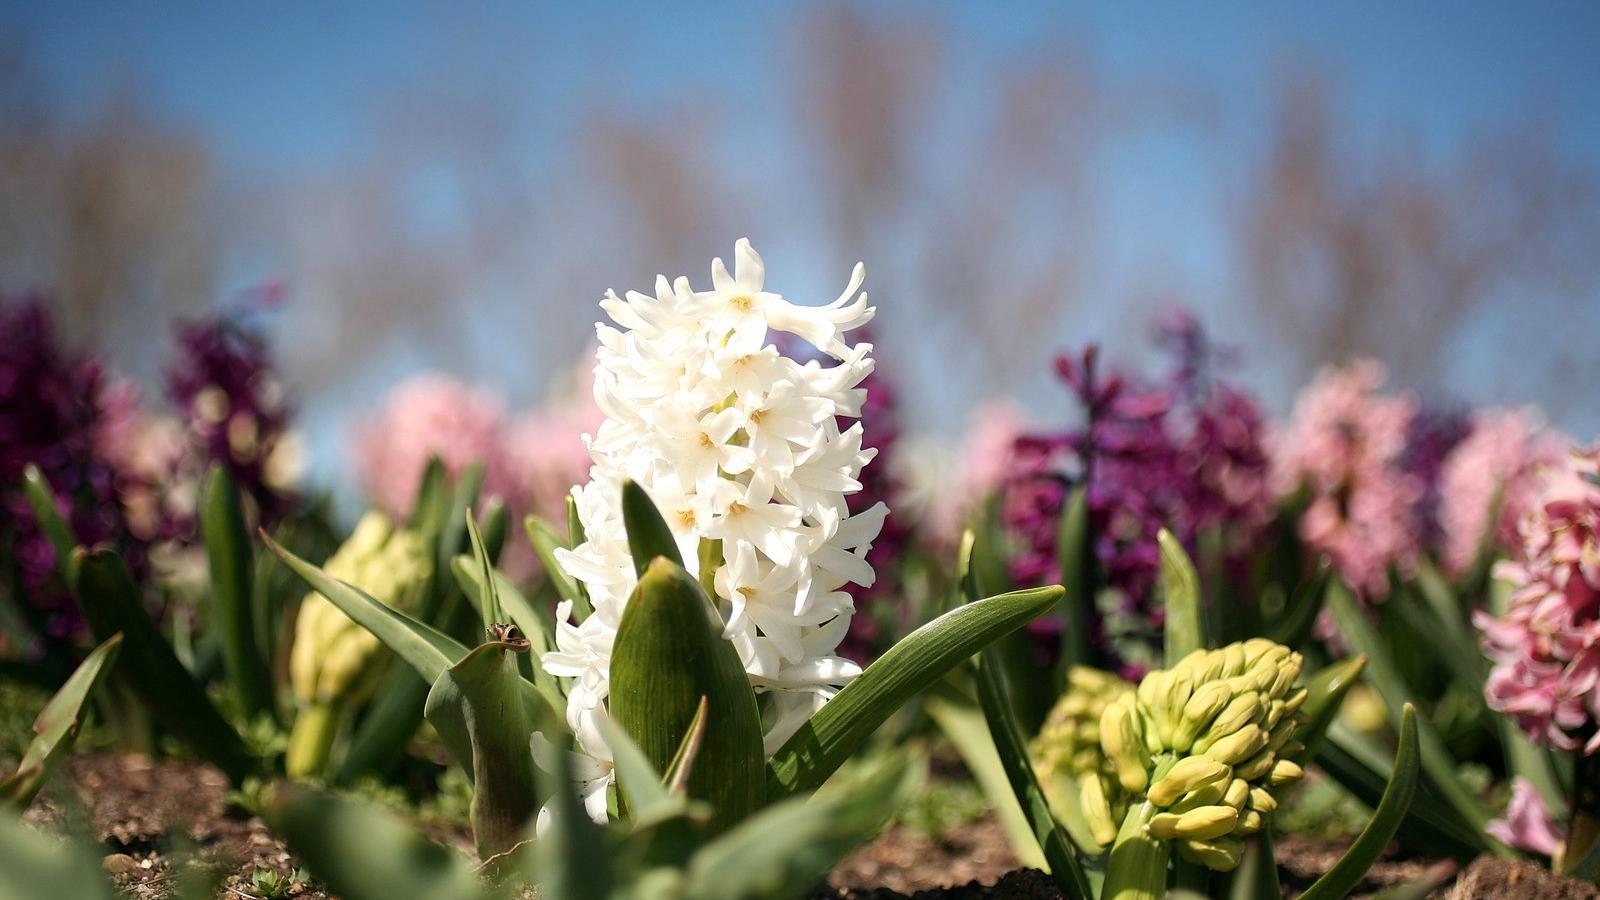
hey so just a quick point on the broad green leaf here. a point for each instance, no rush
(230, 561)
(42, 500)
(56, 728)
(638, 781)
(1436, 760)
(423, 647)
(923, 657)
(570, 861)
(669, 652)
(34, 865)
(1065, 868)
(1340, 880)
(485, 693)
(1079, 575)
(1180, 595)
(648, 534)
(787, 850)
(968, 731)
(1325, 693)
(111, 603)
(575, 534)
(362, 852)
(1587, 866)
(545, 543)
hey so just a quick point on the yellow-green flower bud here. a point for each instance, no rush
(1189, 773)
(1207, 822)
(1220, 855)
(1096, 810)
(335, 663)
(1205, 743)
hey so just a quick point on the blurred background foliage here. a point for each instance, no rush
(434, 188)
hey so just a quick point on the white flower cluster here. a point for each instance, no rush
(738, 444)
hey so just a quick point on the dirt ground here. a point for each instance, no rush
(145, 813)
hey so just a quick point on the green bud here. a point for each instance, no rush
(1283, 772)
(1189, 773)
(1164, 826)
(1262, 799)
(1207, 822)
(1238, 792)
(1209, 794)
(1204, 704)
(1254, 768)
(1239, 746)
(1123, 745)
(1096, 810)
(1220, 855)
(1249, 822)
(1240, 711)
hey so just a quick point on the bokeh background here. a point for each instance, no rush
(428, 186)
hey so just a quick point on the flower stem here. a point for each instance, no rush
(1137, 866)
(311, 740)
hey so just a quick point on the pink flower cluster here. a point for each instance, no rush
(1546, 649)
(1490, 482)
(1528, 824)
(530, 461)
(1343, 446)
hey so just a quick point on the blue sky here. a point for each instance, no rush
(281, 88)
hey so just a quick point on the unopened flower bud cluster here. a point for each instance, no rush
(1206, 743)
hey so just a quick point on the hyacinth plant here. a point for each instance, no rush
(701, 573)
(1132, 789)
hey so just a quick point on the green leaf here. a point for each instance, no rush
(1257, 875)
(56, 728)
(1075, 554)
(364, 853)
(488, 597)
(1360, 767)
(515, 605)
(1136, 867)
(111, 603)
(787, 850)
(1065, 868)
(669, 652)
(676, 778)
(423, 647)
(493, 524)
(638, 781)
(923, 657)
(1325, 692)
(56, 530)
(1294, 627)
(968, 731)
(545, 543)
(1340, 880)
(988, 574)
(648, 534)
(432, 506)
(231, 566)
(1436, 760)
(1586, 867)
(1180, 593)
(485, 693)
(34, 865)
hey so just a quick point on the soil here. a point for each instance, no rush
(145, 813)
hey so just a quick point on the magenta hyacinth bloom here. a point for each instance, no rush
(53, 414)
(1546, 648)
(1344, 447)
(223, 383)
(1490, 481)
(1186, 455)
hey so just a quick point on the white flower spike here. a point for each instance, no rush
(738, 443)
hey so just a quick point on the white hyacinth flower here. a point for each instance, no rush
(734, 442)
